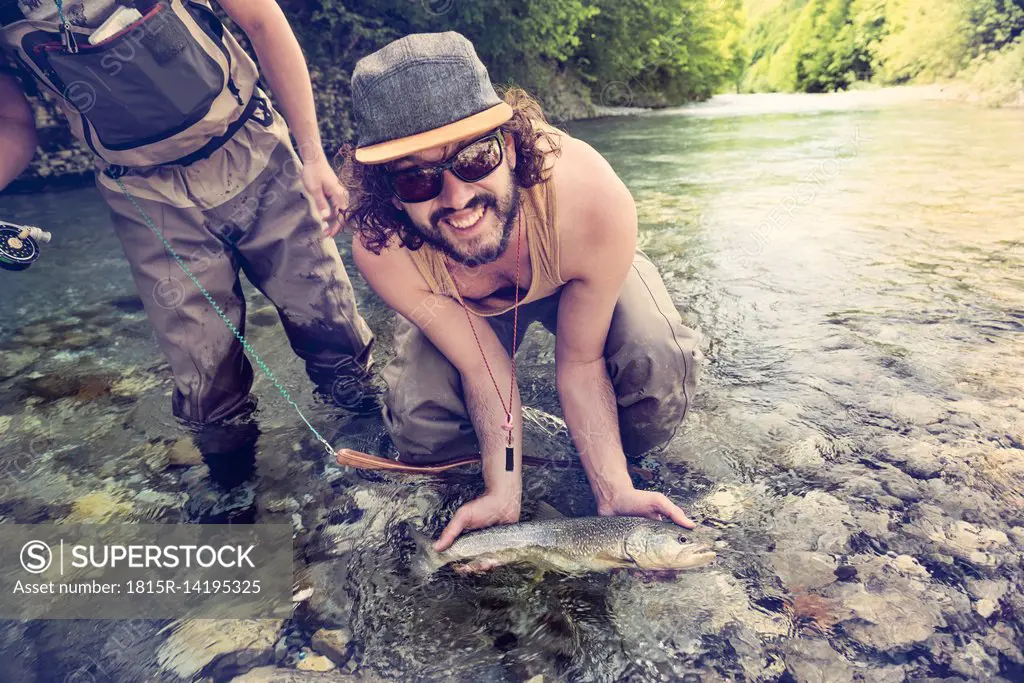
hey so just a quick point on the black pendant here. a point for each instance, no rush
(510, 459)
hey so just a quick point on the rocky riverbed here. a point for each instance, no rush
(856, 449)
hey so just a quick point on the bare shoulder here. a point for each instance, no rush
(595, 209)
(391, 273)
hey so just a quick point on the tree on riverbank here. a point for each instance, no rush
(825, 45)
(572, 54)
(665, 51)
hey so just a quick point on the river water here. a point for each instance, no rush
(855, 267)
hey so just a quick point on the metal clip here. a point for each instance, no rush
(67, 37)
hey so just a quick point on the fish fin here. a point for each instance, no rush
(479, 565)
(427, 560)
(546, 511)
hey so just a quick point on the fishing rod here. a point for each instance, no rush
(19, 245)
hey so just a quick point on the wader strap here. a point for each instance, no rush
(256, 109)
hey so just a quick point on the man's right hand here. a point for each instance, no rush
(487, 510)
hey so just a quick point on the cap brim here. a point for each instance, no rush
(482, 122)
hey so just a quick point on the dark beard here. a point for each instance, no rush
(487, 201)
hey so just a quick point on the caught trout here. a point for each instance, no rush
(573, 545)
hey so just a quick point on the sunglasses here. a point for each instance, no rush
(470, 164)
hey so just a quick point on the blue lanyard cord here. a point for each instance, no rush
(227, 321)
(65, 29)
(60, 12)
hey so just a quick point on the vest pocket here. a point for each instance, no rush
(145, 84)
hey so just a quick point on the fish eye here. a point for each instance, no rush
(682, 539)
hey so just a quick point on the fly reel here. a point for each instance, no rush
(19, 245)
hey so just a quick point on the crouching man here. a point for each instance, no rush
(476, 218)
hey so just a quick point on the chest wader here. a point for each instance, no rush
(171, 102)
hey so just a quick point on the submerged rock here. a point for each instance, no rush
(923, 464)
(665, 623)
(978, 545)
(272, 674)
(965, 658)
(814, 522)
(987, 595)
(885, 674)
(725, 503)
(101, 507)
(79, 386)
(329, 602)
(333, 643)
(218, 647)
(909, 566)
(814, 661)
(312, 662)
(14, 361)
(184, 453)
(803, 570)
(807, 454)
(890, 619)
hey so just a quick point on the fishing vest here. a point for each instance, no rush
(154, 93)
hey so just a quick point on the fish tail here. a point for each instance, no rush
(427, 560)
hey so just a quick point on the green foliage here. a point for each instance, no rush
(824, 45)
(999, 76)
(661, 51)
(664, 51)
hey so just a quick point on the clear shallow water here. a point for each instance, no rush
(856, 270)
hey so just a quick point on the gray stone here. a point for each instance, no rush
(922, 465)
(814, 661)
(981, 546)
(993, 590)
(986, 607)
(218, 647)
(333, 643)
(327, 604)
(184, 453)
(885, 674)
(972, 661)
(806, 454)
(864, 487)
(273, 674)
(1001, 639)
(317, 663)
(899, 484)
(874, 524)
(891, 502)
(814, 522)
(803, 570)
(893, 619)
(281, 649)
(13, 362)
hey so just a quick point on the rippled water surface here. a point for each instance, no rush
(856, 270)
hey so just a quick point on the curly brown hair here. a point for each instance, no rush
(375, 218)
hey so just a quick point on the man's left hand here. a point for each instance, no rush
(327, 192)
(649, 504)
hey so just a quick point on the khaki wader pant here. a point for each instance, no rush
(650, 356)
(223, 215)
